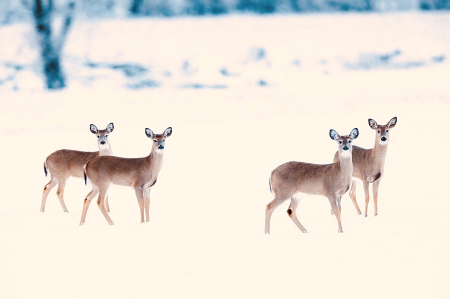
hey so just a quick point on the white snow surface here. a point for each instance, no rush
(206, 234)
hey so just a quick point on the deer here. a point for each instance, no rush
(368, 164)
(139, 173)
(65, 163)
(329, 180)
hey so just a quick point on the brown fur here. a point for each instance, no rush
(330, 180)
(138, 173)
(368, 164)
(65, 163)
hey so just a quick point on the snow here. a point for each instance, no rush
(206, 235)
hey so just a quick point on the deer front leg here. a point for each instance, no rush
(140, 197)
(375, 187)
(147, 204)
(47, 190)
(337, 213)
(352, 194)
(366, 193)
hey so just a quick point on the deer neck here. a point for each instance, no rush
(379, 153)
(155, 161)
(346, 166)
(105, 150)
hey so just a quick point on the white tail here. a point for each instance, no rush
(64, 163)
(139, 173)
(368, 164)
(330, 180)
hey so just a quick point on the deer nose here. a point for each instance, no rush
(383, 138)
(161, 147)
(102, 142)
(345, 148)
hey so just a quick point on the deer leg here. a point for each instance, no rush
(337, 213)
(352, 194)
(60, 193)
(147, 203)
(338, 203)
(292, 214)
(279, 199)
(366, 193)
(140, 198)
(107, 204)
(101, 205)
(47, 190)
(87, 202)
(375, 187)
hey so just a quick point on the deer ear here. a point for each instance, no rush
(373, 124)
(392, 123)
(149, 133)
(334, 135)
(110, 128)
(354, 133)
(93, 129)
(168, 132)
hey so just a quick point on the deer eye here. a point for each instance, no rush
(98, 136)
(154, 140)
(349, 141)
(379, 131)
(387, 131)
(340, 142)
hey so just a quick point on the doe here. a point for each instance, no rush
(65, 163)
(138, 173)
(368, 164)
(329, 180)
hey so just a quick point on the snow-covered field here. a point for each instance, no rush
(243, 94)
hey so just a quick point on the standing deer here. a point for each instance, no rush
(330, 180)
(64, 163)
(368, 164)
(139, 173)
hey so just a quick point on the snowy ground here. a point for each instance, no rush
(205, 238)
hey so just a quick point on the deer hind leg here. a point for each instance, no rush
(292, 214)
(107, 204)
(87, 202)
(279, 199)
(366, 193)
(375, 187)
(140, 197)
(101, 205)
(60, 193)
(47, 190)
(352, 194)
(334, 206)
(147, 204)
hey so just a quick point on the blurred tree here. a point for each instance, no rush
(151, 8)
(50, 46)
(259, 6)
(434, 4)
(202, 7)
(135, 8)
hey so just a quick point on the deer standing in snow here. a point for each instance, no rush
(368, 164)
(65, 163)
(329, 180)
(138, 173)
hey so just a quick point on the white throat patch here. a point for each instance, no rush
(346, 154)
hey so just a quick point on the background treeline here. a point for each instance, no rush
(14, 10)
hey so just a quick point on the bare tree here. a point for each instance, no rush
(50, 45)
